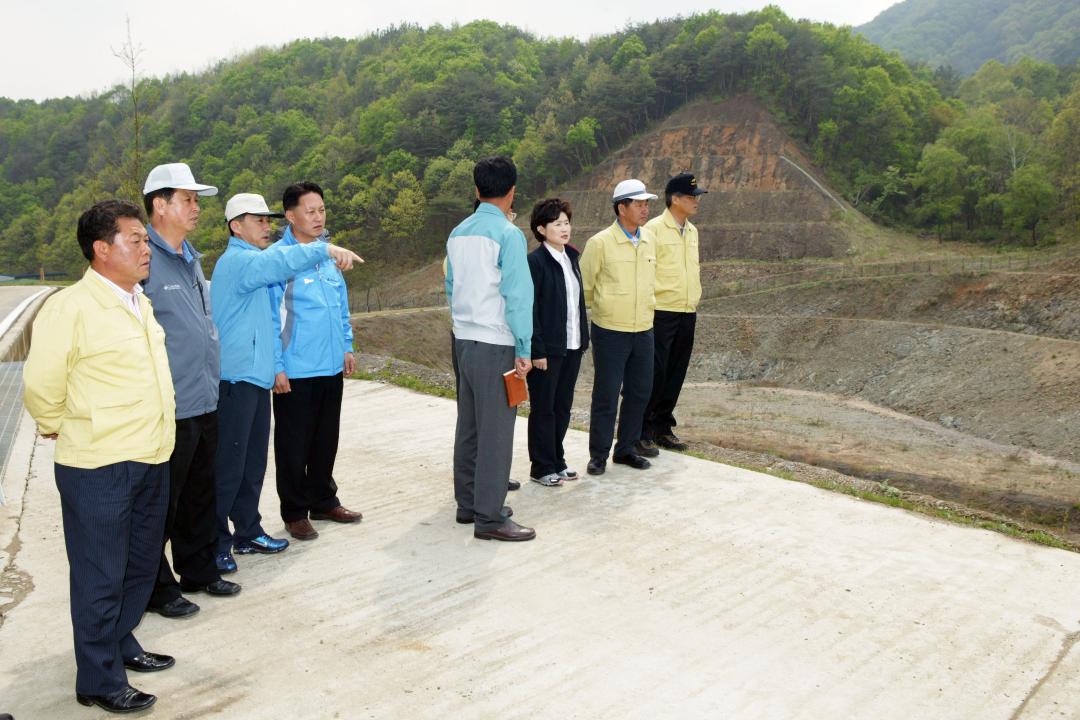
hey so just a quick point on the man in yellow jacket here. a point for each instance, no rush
(97, 381)
(618, 271)
(678, 291)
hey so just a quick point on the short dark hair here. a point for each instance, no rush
(494, 176)
(615, 206)
(291, 197)
(548, 211)
(148, 199)
(668, 196)
(100, 223)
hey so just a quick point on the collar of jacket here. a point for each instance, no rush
(105, 296)
(489, 209)
(669, 220)
(287, 237)
(621, 236)
(572, 252)
(241, 244)
(165, 247)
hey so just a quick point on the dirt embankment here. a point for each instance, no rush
(1003, 387)
(1034, 303)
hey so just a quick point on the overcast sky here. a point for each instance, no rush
(54, 48)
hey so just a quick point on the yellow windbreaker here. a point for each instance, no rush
(100, 378)
(678, 273)
(618, 279)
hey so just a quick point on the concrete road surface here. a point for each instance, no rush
(693, 590)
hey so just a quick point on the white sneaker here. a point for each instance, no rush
(550, 480)
(568, 474)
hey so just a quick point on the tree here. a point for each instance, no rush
(940, 179)
(1029, 199)
(581, 139)
(129, 54)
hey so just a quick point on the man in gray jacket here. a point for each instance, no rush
(181, 299)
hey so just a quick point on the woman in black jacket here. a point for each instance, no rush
(560, 336)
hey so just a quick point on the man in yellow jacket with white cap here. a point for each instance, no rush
(618, 274)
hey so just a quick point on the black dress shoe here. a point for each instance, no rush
(150, 662)
(513, 485)
(633, 460)
(218, 587)
(181, 607)
(646, 448)
(509, 531)
(128, 700)
(671, 442)
(597, 466)
(467, 516)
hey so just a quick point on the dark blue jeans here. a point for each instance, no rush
(114, 525)
(622, 361)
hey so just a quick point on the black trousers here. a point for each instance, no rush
(306, 426)
(551, 396)
(621, 360)
(673, 339)
(190, 526)
(244, 412)
(114, 517)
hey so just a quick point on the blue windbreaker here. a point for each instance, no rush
(311, 318)
(243, 304)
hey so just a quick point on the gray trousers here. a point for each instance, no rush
(484, 438)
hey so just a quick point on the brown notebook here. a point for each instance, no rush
(516, 390)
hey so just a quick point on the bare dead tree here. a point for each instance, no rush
(129, 54)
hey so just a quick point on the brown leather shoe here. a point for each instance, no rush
(509, 531)
(302, 530)
(339, 515)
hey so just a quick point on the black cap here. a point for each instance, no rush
(684, 184)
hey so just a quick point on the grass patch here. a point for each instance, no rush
(409, 382)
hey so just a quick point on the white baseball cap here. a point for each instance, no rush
(248, 204)
(631, 190)
(177, 176)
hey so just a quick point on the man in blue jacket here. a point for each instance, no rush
(313, 353)
(490, 290)
(178, 291)
(244, 316)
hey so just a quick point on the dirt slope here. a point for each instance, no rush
(761, 205)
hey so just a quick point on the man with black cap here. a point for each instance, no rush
(178, 291)
(243, 312)
(618, 271)
(678, 290)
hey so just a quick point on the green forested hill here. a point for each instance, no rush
(964, 34)
(391, 123)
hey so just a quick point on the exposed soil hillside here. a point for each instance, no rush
(767, 201)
